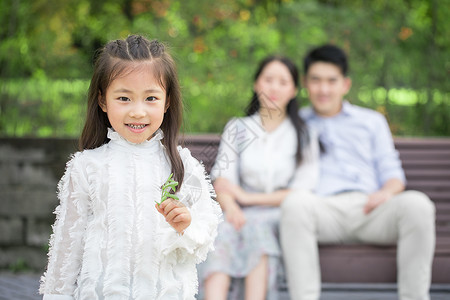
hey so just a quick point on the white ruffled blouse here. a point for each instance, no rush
(110, 242)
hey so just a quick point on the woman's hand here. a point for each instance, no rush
(235, 216)
(175, 213)
(239, 194)
(228, 196)
(222, 185)
(243, 197)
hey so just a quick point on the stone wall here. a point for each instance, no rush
(29, 172)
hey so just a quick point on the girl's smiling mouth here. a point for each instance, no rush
(137, 127)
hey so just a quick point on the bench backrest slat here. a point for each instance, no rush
(426, 161)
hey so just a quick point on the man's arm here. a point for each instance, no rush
(387, 165)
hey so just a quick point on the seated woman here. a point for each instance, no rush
(261, 158)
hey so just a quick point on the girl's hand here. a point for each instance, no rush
(175, 213)
(235, 216)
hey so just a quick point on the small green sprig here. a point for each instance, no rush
(166, 189)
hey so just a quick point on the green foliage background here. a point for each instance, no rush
(398, 49)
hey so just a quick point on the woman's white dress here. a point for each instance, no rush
(260, 162)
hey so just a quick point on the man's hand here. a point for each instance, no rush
(390, 188)
(176, 214)
(375, 199)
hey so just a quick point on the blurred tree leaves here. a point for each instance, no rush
(398, 53)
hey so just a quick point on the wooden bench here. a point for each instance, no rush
(427, 166)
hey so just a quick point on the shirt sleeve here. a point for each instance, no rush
(198, 195)
(226, 164)
(66, 241)
(307, 173)
(386, 159)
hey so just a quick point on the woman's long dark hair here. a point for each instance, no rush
(292, 108)
(118, 57)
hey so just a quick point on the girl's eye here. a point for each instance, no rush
(123, 99)
(151, 98)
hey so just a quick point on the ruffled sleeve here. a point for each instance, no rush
(179, 253)
(66, 241)
(198, 195)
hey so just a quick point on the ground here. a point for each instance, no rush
(25, 287)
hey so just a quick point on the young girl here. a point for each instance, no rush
(261, 158)
(112, 239)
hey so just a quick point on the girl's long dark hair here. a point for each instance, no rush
(292, 108)
(118, 57)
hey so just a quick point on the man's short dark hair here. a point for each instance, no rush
(329, 54)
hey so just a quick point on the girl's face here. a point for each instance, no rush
(275, 86)
(135, 105)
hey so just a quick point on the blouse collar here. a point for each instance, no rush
(258, 119)
(118, 142)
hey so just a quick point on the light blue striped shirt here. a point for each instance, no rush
(359, 150)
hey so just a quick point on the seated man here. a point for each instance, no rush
(360, 197)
